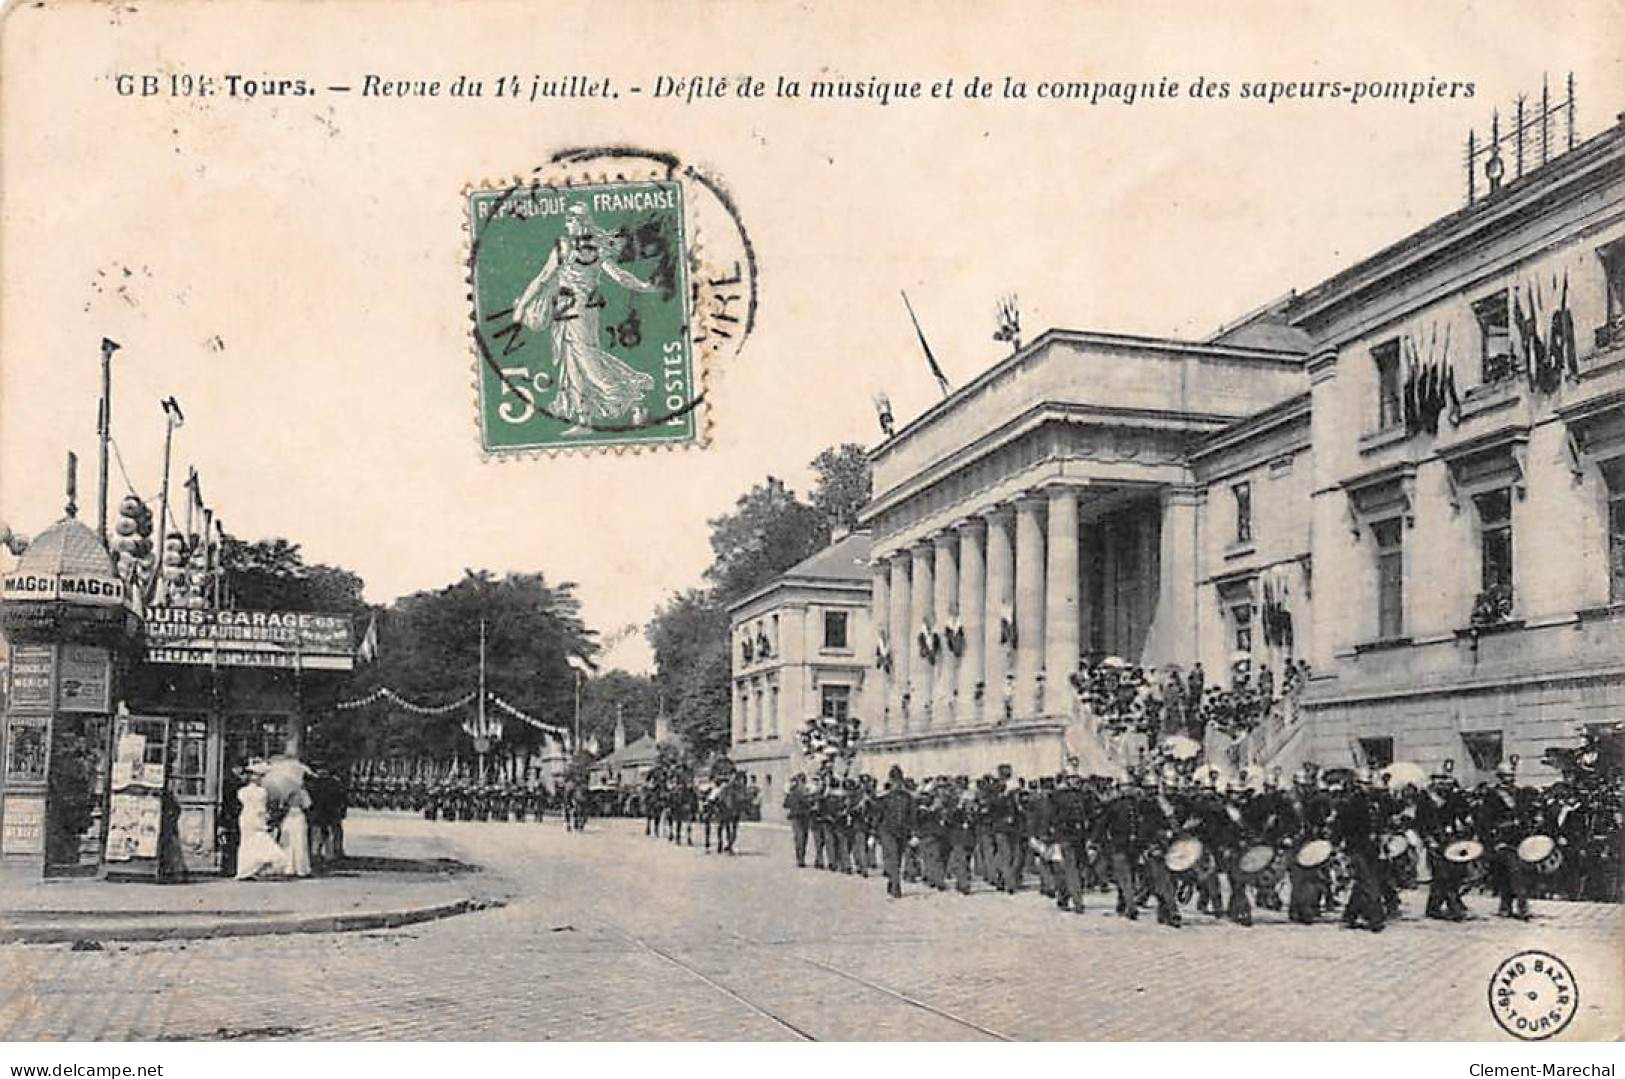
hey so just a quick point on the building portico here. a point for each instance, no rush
(1007, 550)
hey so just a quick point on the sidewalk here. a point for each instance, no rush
(386, 880)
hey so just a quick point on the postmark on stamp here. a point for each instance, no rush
(581, 306)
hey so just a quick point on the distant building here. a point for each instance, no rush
(629, 764)
(801, 647)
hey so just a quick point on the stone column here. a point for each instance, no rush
(901, 653)
(1061, 601)
(876, 682)
(1029, 604)
(943, 598)
(999, 606)
(972, 614)
(921, 597)
(1176, 640)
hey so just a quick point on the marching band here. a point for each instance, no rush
(1340, 839)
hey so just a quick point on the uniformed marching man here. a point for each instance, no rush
(1356, 826)
(1311, 813)
(1504, 818)
(931, 826)
(1005, 812)
(1038, 827)
(961, 821)
(1070, 823)
(798, 810)
(1443, 817)
(895, 822)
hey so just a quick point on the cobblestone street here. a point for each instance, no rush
(609, 935)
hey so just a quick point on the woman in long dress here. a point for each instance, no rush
(296, 833)
(258, 855)
(594, 386)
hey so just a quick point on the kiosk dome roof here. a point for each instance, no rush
(67, 547)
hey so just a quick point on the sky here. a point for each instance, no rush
(291, 269)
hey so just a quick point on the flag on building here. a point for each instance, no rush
(930, 358)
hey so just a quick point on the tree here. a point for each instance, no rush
(635, 697)
(272, 575)
(844, 484)
(429, 645)
(690, 640)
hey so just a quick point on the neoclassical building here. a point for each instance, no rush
(1046, 512)
(1403, 476)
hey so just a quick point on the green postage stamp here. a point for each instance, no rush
(581, 317)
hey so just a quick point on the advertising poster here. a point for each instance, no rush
(84, 679)
(32, 676)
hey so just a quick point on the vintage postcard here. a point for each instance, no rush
(721, 522)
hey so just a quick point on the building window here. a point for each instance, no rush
(189, 756)
(1483, 749)
(1495, 541)
(1241, 620)
(1243, 493)
(1495, 337)
(1377, 752)
(773, 710)
(1614, 474)
(255, 737)
(1390, 537)
(835, 702)
(835, 629)
(1390, 409)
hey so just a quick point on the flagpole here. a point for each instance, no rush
(172, 413)
(480, 724)
(104, 431)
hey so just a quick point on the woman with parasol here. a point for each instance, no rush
(258, 854)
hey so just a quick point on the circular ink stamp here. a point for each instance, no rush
(1533, 995)
(602, 286)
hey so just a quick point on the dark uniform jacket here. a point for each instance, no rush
(1130, 824)
(797, 803)
(896, 813)
(1358, 821)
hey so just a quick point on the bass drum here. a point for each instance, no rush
(1314, 854)
(1255, 860)
(1541, 853)
(1184, 856)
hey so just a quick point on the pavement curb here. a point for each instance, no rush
(247, 927)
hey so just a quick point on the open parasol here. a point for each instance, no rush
(284, 776)
(1404, 773)
(1181, 748)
